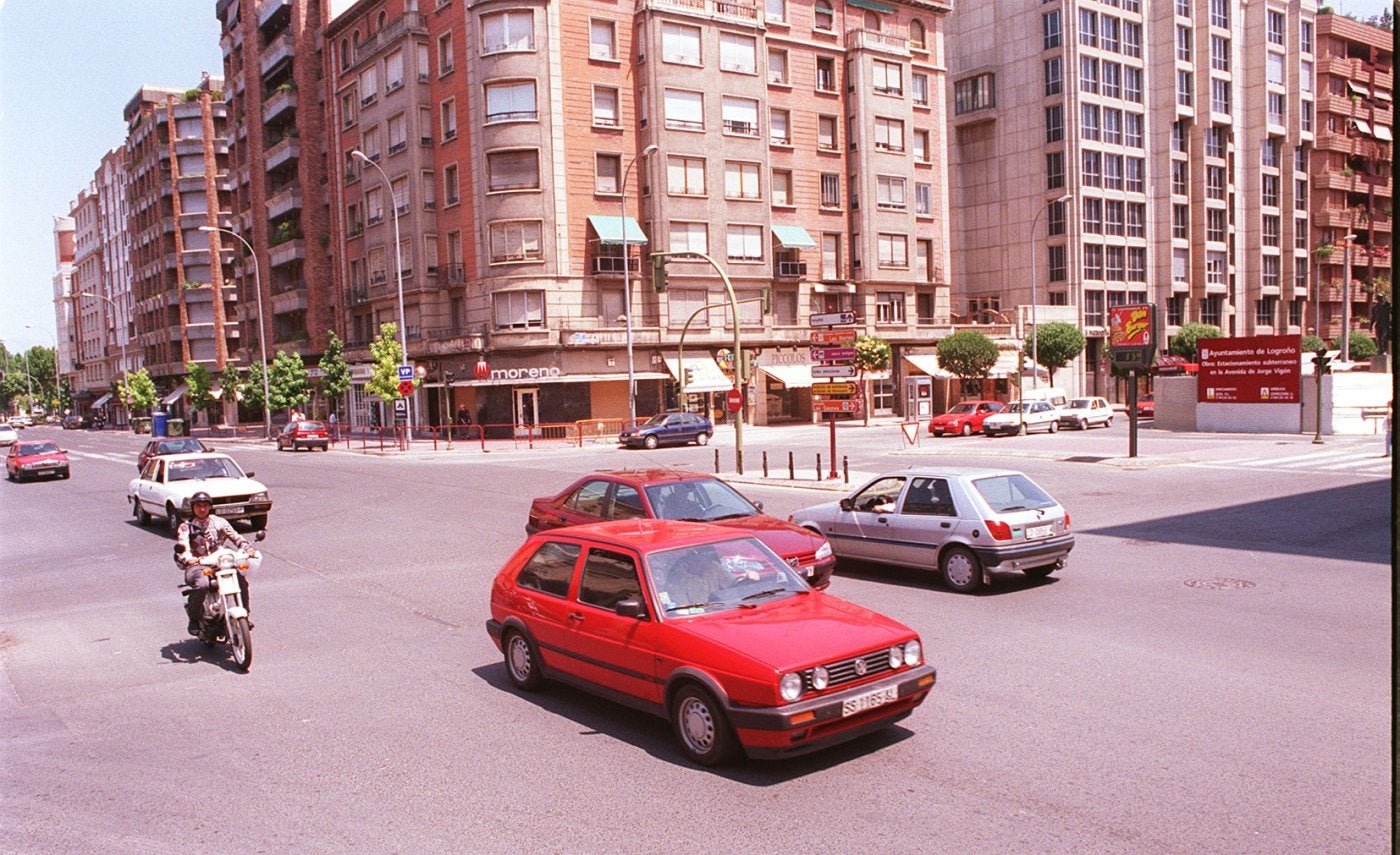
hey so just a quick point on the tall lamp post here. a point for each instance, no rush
(1035, 326)
(121, 342)
(398, 265)
(627, 288)
(262, 330)
(54, 339)
(1346, 298)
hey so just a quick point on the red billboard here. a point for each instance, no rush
(1261, 369)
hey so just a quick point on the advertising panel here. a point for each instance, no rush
(1132, 335)
(1262, 369)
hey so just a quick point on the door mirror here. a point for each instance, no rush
(758, 505)
(631, 608)
(260, 534)
(847, 505)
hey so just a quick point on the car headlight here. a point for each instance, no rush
(913, 653)
(258, 497)
(790, 687)
(820, 678)
(896, 656)
(824, 551)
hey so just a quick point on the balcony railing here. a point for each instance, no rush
(791, 269)
(613, 265)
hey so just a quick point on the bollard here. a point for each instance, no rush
(819, 467)
(791, 475)
(765, 464)
(716, 461)
(845, 470)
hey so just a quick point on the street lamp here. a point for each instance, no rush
(262, 333)
(398, 264)
(1035, 327)
(121, 342)
(1346, 298)
(627, 289)
(54, 338)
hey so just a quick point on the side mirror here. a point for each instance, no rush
(249, 474)
(758, 505)
(631, 608)
(260, 534)
(847, 505)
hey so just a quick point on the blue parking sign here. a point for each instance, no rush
(405, 372)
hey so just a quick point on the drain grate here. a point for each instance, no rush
(1220, 584)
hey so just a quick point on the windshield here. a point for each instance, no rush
(310, 426)
(1079, 404)
(176, 446)
(208, 467)
(658, 419)
(717, 577)
(1014, 492)
(1018, 407)
(38, 448)
(963, 408)
(704, 499)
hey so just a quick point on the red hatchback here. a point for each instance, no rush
(668, 495)
(965, 418)
(304, 434)
(708, 628)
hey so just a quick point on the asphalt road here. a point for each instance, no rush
(1211, 672)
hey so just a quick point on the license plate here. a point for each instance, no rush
(1034, 531)
(869, 700)
(232, 509)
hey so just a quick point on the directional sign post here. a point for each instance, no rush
(835, 350)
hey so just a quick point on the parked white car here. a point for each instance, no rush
(8, 435)
(167, 482)
(1023, 417)
(1084, 413)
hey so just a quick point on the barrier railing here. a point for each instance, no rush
(485, 437)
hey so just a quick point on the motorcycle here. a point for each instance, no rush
(225, 618)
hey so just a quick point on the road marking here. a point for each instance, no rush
(1356, 461)
(125, 460)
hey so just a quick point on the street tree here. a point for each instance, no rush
(335, 371)
(231, 383)
(141, 394)
(1183, 344)
(1056, 345)
(252, 389)
(872, 354)
(969, 355)
(385, 356)
(201, 383)
(287, 385)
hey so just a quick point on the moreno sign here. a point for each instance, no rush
(1263, 369)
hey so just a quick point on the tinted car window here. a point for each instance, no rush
(588, 499)
(608, 579)
(929, 496)
(311, 426)
(550, 569)
(1011, 493)
(627, 503)
(701, 499)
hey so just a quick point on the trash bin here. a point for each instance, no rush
(140, 424)
(176, 427)
(159, 424)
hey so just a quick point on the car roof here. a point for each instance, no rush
(194, 455)
(648, 535)
(650, 476)
(949, 472)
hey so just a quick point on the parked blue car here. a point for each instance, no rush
(668, 428)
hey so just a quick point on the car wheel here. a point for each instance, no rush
(1054, 426)
(701, 727)
(172, 519)
(1083, 424)
(522, 662)
(1109, 423)
(702, 439)
(961, 569)
(966, 429)
(1022, 430)
(1040, 572)
(142, 518)
(258, 522)
(649, 441)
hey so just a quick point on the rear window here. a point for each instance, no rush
(1012, 493)
(311, 426)
(550, 569)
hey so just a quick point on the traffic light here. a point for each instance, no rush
(1321, 361)
(766, 300)
(658, 273)
(690, 377)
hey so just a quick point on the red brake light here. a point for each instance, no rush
(998, 530)
(1066, 520)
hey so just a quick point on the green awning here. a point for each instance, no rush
(871, 5)
(610, 230)
(794, 237)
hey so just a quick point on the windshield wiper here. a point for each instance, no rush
(766, 593)
(731, 516)
(692, 606)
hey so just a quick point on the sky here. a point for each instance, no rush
(67, 69)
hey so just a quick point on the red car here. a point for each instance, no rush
(669, 495)
(36, 459)
(965, 418)
(707, 627)
(1145, 408)
(304, 434)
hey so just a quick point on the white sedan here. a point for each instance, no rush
(1023, 417)
(167, 482)
(8, 435)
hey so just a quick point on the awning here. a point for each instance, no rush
(1358, 89)
(1383, 96)
(552, 378)
(834, 288)
(1007, 362)
(791, 376)
(794, 237)
(610, 229)
(1381, 132)
(928, 363)
(102, 400)
(177, 394)
(1361, 125)
(871, 5)
(705, 374)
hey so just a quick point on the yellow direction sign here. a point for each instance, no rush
(833, 388)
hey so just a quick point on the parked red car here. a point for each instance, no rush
(1145, 408)
(669, 495)
(707, 627)
(304, 434)
(35, 460)
(964, 418)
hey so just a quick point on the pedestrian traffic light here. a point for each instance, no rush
(658, 273)
(1321, 361)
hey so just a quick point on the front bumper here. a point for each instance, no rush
(1037, 553)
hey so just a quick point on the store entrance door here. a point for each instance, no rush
(527, 412)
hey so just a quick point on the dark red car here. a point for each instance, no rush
(669, 495)
(1145, 408)
(38, 459)
(965, 418)
(169, 445)
(708, 628)
(304, 434)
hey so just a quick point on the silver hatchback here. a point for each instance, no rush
(967, 523)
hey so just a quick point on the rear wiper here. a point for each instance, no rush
(1014, 508)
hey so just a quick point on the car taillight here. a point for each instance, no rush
(1066, 520)
(998, 530)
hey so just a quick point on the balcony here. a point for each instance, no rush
(415, 23)
(284, 201)
(455, 274)
(280, 52)
(287, 252)
(269, 8)
(726, 9)
(876, 41)
(284, 151)
(279, 103)
(615, 265)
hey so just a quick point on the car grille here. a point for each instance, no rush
(852, 670)
(240, 499)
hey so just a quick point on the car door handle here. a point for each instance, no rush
(882, 521)
(578, 616)
(945, 525)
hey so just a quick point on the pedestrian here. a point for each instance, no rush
(335, 427)
(464, 418)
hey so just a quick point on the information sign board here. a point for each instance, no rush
(833, 371)
(837, 406)
(833, 389)
(1261, 369)
(832, 319)
(825, 338)
(833, 354)
(405, 372)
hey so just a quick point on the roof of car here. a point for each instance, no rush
(649, 535)
(950, 472)
(193, 455)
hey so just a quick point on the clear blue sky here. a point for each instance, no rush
(67, 68)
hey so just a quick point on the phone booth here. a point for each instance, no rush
(918, 398)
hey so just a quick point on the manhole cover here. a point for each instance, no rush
(1085, 459)
(1220, 584)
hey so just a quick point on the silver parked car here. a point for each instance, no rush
(1084, 413)
(967, 523)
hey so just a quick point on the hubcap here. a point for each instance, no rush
(697, 725)
(959, 570)
(519, 658)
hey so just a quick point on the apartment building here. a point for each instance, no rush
(89, 376)
(65, 257)
(1123, 152)
(1352, 174)
(178, 181)
(534, 154)
(277, 136)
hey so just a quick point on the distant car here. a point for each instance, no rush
(304, 434)
(74, 421)
(670, 495)
(1145, 408)
(1084, 413)
(1023, 417)
(706, 627)
(8, 435)
(669, 429)
(966, 523)
(965, 418)
(172, 445)
(166, 484)
(35, 459)
(22, 420)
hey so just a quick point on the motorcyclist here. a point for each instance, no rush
(200, 536)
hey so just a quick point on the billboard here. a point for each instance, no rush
(1262, 369)
(1132, 335)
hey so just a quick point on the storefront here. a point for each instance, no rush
(784, 393)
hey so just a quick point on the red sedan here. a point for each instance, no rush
(964, 418)
(669, 495)
(707, 627)
(35, 460)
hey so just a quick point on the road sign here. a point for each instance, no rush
(833, 389)
(839, 406)
(405, 372)
(405, 388)
(833, 371)
(833, 318)
(400, 408)
(734, 400)
(833, 354)
(820, 338)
